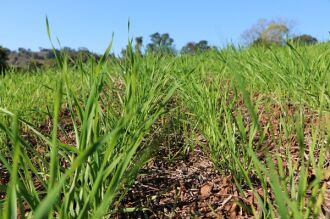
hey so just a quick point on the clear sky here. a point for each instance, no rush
(91, 23)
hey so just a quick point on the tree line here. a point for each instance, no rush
(263, 33)
(26, 59)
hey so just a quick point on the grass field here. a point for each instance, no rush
(83, 141)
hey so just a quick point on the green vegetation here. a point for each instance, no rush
(161, 43)
(304, 39)
(3, 59)
(193, 47)
(263, 114)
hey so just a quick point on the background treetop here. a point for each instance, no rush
(268, 32)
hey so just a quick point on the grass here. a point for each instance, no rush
(262, 111)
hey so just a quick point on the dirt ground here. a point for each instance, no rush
(186, 187)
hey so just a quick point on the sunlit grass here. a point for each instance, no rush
(261, 112)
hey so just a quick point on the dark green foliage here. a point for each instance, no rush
(138, 44)
(304, 39)
(193, 47)
(4, 52)
(161, 43)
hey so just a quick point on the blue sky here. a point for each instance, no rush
(91, 23)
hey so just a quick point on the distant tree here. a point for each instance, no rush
(50, 54)
(33, 65)
(83, 54)
(161, 43)
(203, 45)
(4, 53)
(72, 53)
(37, 55)
(125, 52)
(129, 48)
(267, 32)
(47, 53)
(68, 50)
(193, 47)
(24, 52)
(304, 39)
(138, 44)
(190, 48)
(41, 49)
